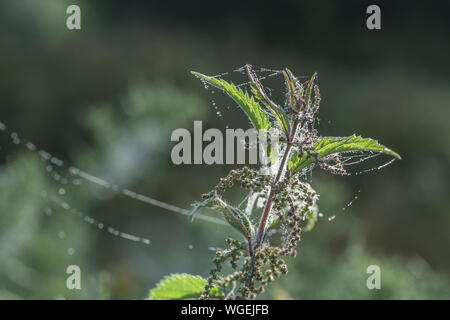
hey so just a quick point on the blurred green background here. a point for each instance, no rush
(106, 98)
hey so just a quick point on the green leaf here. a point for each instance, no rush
(181, 286)
(290, 84)
(309, 88)
(312, 219)
(235, 217)
(298, 86)
(331, 145)
(260, 94)
(274, 224)
(247, 103)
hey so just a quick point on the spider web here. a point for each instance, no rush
(351, 161)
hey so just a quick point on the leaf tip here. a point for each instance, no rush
(395, 154)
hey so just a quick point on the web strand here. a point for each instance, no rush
(74, 171)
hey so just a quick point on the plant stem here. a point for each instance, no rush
(268, 207)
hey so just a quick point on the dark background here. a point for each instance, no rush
(106, 98)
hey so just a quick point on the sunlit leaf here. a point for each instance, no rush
(261, 95)
(298, 86)
(309, 88)
(235, 217)
(247, 103)
(274, 224)
(181, 286)
(331, 145)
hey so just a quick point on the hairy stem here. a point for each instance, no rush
(268, 207)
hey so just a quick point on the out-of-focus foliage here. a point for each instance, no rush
(33, 255)
(316, 276)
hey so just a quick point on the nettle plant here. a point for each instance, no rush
(282, 200)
